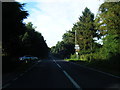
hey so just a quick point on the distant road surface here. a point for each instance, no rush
(53, 73)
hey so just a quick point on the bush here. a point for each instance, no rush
(86, 57)
(73, 56)
(111, 47)
(83, 57)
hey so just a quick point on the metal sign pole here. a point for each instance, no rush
(77, 48)
(75, 37)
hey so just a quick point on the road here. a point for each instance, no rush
(53, 73)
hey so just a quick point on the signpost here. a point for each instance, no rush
(77, 49)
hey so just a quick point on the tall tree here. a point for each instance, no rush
(33, 42)
(12, 17)
(108, 25)
(108, 19)
(85, 30)
(12, 27)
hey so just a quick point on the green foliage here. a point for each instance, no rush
(69, 37)
(13, 15)
(33, 42)
(73, 56)
(19, 39)
(111, 47)
(108, 18)
(85, 32)
(109, 28)
(105, 26)
(63, 49)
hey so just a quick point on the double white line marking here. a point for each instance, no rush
(69, 77)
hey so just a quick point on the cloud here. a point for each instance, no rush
(49, 1)
(54, 17)
(44, 1)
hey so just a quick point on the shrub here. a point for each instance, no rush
(73, 56)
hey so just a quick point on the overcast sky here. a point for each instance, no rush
(54, 17)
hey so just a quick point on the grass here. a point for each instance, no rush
(71, 59)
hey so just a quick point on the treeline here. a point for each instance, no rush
(105, 26)
(18, 38)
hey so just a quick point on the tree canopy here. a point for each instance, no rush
(106, 26)
(85, 33)
(19, 39)
(12, 17)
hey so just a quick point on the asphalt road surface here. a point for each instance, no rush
(53, 73)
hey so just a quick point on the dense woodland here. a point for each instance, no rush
(104, 26)
(18, 38)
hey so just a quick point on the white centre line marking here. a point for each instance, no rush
(59, 66)
(69, 77)
(72, 80)
(54, 61)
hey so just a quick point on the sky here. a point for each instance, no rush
(54, 17)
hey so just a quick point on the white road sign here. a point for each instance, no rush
(77, 47)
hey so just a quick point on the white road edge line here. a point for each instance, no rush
(71, 79)
(97, 70)
(6, 85)
(19, 75)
